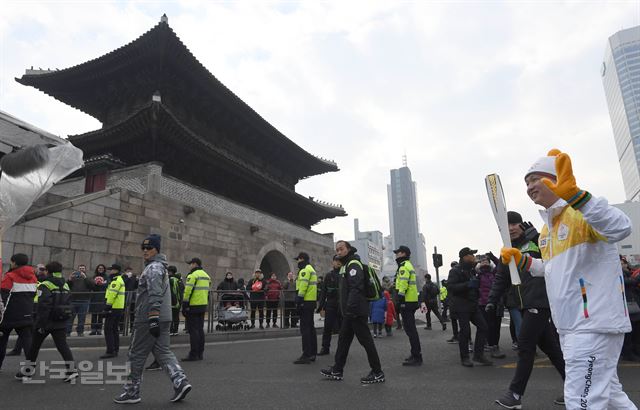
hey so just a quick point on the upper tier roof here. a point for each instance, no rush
(113, 87)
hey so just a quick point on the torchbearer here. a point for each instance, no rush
(584, 281)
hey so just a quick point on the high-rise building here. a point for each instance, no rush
(629, 247)
(389, 265)
(403, 216)
(621, 79)
(370, 246)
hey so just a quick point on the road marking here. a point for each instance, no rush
(546, 363)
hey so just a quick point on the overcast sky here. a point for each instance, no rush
(465, 89)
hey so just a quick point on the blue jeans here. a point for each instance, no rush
(80, 308)
(516, 316)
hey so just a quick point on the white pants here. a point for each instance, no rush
(591, 367)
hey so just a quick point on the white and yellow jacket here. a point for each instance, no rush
(581, 267)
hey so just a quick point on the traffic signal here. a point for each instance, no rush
(437, 260)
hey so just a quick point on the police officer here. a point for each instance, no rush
(53, 311)
(194, 306)
(407, 289)
(328, 302)
(114, 297)
(307, 295)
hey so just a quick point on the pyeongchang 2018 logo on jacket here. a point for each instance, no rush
(587, 383)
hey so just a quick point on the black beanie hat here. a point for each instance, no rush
(152, 240)
(514, 217)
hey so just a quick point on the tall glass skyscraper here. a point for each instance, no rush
(403, 216)
(621, 79)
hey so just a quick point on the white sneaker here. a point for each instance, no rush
(71, 376)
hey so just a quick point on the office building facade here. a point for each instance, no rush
(620, 72)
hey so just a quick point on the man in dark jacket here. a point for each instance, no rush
(17, 290)
(463, 285)
(81, 287)
(228, 284)
(537, 328)
(355, 310)
(228, 291)
(328, 301)
(53, 312)
(429, 298)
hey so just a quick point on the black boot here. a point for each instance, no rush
(413, 361)
(483, 361)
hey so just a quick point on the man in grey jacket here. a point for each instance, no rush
(151, 327)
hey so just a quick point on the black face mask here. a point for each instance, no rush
(302, 264)
(467, 265)
(229, 278)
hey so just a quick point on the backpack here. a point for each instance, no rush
(372, 287)
(61, 309)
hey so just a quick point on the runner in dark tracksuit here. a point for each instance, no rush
(537, 328)
(355, 310)
(328, 301)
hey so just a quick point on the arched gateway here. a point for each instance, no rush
(272, 258)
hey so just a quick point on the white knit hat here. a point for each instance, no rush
(544, 165)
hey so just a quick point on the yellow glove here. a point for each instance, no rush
(523, 262)
(506, 254)
(565, 186)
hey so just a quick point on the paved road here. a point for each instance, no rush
(258, 374)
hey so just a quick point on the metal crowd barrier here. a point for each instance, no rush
(217, 302)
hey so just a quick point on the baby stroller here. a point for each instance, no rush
(232, 314)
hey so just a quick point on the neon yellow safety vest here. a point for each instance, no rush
(35, 297)
(443, 293)
(116, 293)
(307, 284)
(196, 290)
(406, 282)
(52, 286)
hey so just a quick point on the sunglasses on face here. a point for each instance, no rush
(147, 248)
